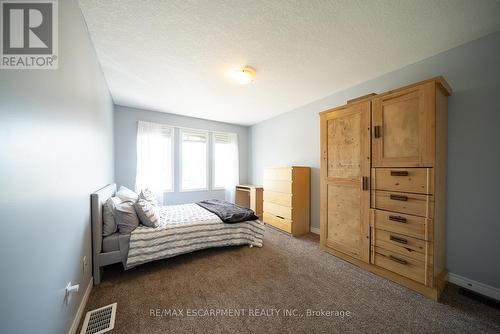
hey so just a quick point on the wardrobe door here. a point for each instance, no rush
(345, 167)
(404, 128)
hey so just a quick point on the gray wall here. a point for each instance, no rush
(56, 144)
(125, 149)
(473, 71)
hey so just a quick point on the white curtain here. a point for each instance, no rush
(154, 157)
(233, 175)
(227, 163)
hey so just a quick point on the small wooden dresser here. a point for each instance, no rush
(249, 196)
(287, 198)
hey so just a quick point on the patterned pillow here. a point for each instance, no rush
(148, 195)
(149, 214)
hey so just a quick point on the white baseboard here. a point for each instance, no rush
(81, 308)
(475, 286)
(314, 230)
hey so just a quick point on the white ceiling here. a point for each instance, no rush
(174, 56)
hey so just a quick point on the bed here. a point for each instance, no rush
(183, 229)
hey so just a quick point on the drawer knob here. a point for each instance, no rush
(399, 173)
(398, 219)
(398, 239)
(397, 259)
(399, 198)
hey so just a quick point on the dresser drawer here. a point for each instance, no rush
(412, 180)
(278, 174)
(278, 210)
(281, 223)
(278, 186)
(400, 264)
(413, 226)
(278, 198)
(401, 244)
(413, 204)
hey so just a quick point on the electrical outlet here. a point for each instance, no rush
(84, 264)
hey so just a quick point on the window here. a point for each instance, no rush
(156, 144)
(225, 160)
(194, 147)
(154, 157)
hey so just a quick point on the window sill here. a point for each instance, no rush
(193, 190)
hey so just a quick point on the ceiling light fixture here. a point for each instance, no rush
(244, 75)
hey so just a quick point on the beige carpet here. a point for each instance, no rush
(286, 274)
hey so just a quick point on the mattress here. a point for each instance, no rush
(186, 228)
(111, 243)
(117, 242)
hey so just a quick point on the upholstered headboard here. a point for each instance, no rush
(97, 199)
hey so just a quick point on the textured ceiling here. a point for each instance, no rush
(174, 56)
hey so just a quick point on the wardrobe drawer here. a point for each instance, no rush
(413, 226)
(278, 174)
(400, 264)
(413, 204)
(278, 210)
(278, 198)
(278, 222)
(278, 186)
(412, 180)
(401, 244)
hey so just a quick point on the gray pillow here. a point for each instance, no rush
(148, 213)
(125, 194)
(125, 217)
(108, 221)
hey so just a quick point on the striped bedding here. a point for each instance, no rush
(187, 228)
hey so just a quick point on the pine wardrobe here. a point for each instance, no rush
(383, 184)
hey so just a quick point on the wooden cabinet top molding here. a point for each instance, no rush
(439, 80)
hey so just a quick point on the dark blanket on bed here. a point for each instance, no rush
(228, 212)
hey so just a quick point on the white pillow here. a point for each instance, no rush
(125, 194)
(108, 221)
(149, 214)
